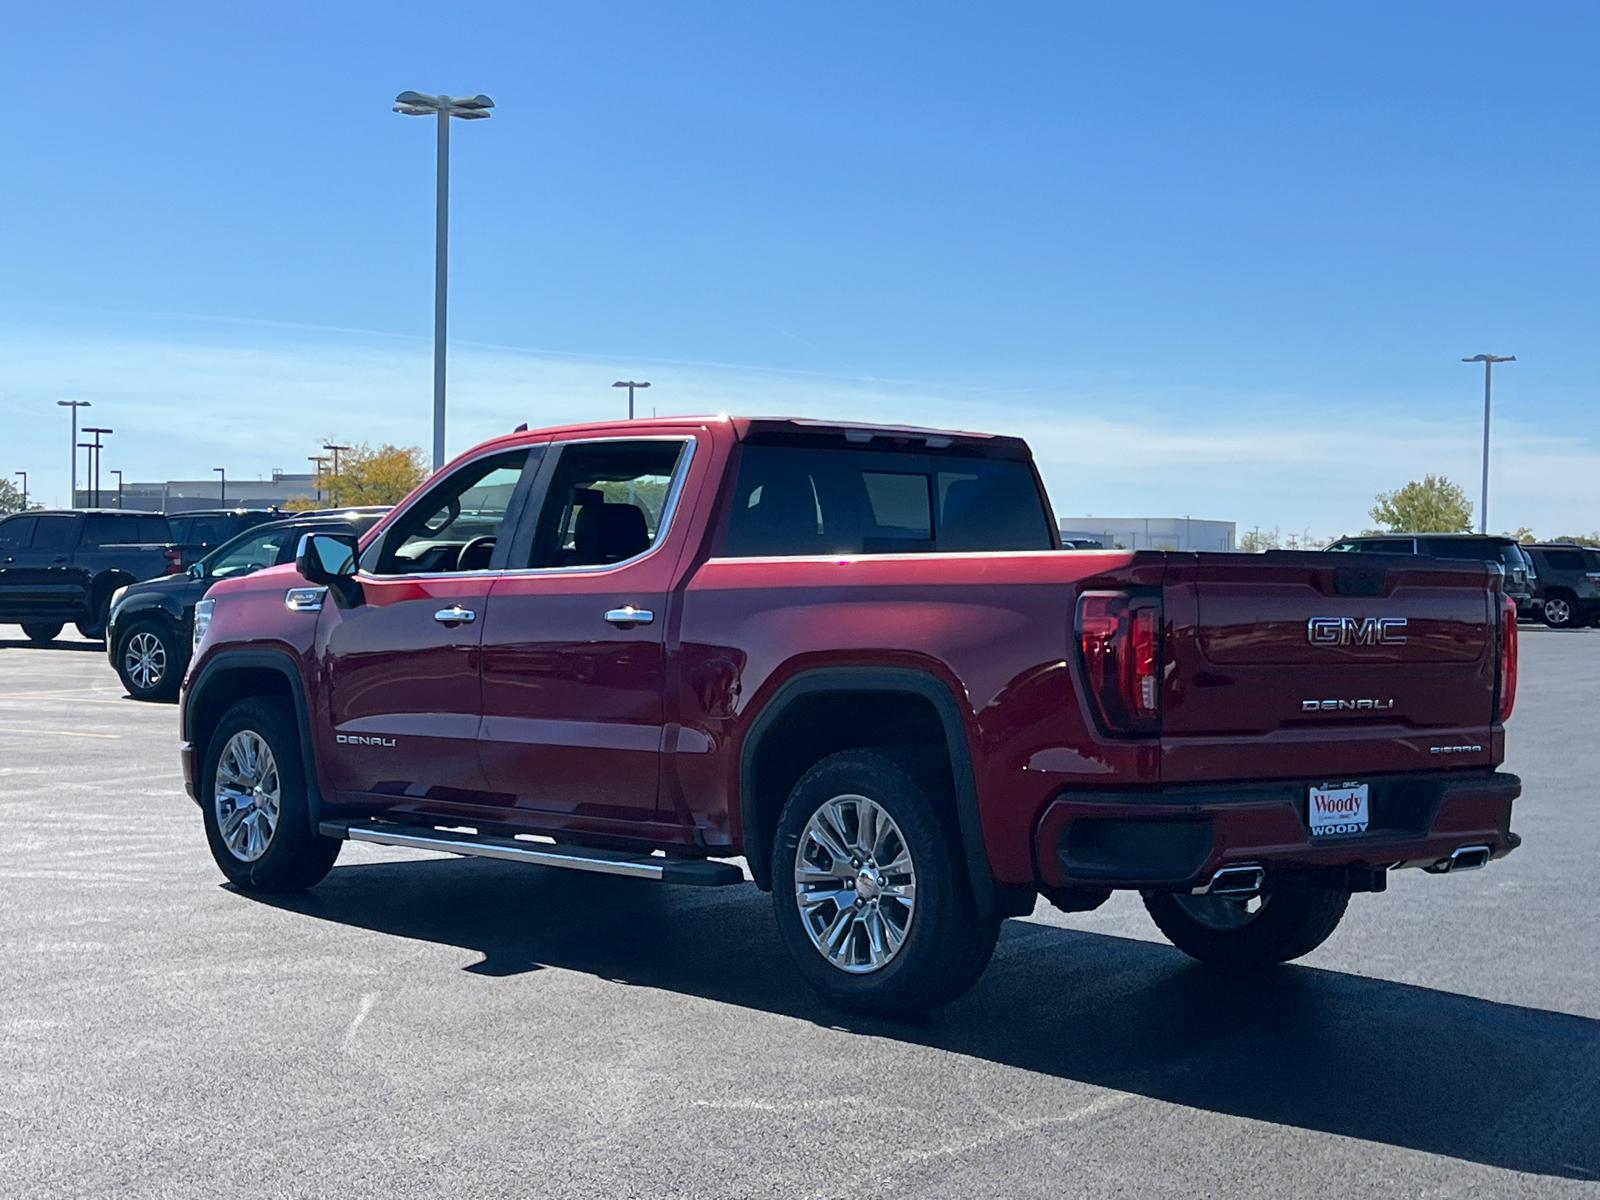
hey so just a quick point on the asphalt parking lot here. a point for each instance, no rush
(424, 1026)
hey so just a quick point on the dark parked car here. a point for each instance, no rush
(1454, 547)
(200, 531)
(148, 641)
(1568, 592)
(57, 567)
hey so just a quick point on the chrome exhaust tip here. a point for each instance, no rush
(1463, 858)
(1237, 881)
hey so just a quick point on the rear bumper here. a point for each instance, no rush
(1177, 838)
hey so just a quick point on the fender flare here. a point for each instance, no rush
(991, 899)
(226, 661)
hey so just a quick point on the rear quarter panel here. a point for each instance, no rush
(995, 629)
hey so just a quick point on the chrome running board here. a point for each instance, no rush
(696, 872)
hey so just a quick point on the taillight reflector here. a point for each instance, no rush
(174, 557)
(1119, 638)
(1508, 658)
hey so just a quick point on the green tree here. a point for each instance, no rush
(10, 498)
(1582, 539)
(368, 476)
(1435, 505)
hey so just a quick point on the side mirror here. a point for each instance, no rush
(329, 559)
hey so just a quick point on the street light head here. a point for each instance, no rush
(1491, 358)
(629, 383)
(420, 104)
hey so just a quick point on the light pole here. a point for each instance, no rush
(118, 474)
(1488, 361)
(468, 108)
(24, 475)
(223, 495)
(335, 450)
(318, 462)
(94, 449)
(74, 405)
(630, 385)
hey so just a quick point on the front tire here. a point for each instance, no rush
(42, 633)
(148, 661)
(253, 795)
(871, 890)
(1259, 932)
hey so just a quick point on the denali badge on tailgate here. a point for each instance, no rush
(1356, 631)
(1338, 808)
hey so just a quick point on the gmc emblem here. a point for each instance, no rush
(1356, 631)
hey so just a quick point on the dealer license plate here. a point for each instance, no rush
(1337, 809)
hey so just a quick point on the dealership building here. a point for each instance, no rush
(1150, 533)
(187, 495)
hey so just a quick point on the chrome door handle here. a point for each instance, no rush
(455, 615)
(628, 616)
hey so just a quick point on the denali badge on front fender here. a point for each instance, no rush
(1356, 631)
(356, 739)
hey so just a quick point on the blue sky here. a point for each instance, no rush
(1220, 260)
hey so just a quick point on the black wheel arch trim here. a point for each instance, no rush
(221, 664)
(991, 898)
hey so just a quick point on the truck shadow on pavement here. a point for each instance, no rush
(1409, 1066)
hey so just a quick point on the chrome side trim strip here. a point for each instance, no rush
(575, 860)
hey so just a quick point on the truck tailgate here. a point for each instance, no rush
(1308, 665)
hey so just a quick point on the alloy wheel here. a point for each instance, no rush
(855, 884)
(1557, 611)
(145, 660)
(248, 795)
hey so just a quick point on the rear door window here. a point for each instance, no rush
(606, 502)
(54, 533)
(213, 531)
(804, 500)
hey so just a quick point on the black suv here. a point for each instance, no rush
(1568, 593)
(148, 638)
(1484, 547)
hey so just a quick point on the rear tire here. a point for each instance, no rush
(883, 923)
(1225, 932)
(1559, 613)
(148, 661)
(253, 797)
(42, 632)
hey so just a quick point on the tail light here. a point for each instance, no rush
(174, 557)
(1508, 658)
(1119, 636)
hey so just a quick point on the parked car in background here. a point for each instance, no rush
(57, 567)
(148, 638)
(199, 531)
(1568, 591)
(1454, 547)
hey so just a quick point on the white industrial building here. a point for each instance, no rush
(1150, 533)
(187, 495)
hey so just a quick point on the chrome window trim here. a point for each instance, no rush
(669, 510)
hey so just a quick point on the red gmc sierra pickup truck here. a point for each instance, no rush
(858, 657)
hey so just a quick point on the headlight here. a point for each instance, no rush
(202, 619)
